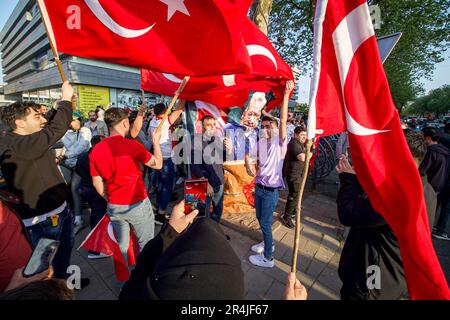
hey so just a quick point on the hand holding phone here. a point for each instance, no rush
(195, 192)
(42, 257)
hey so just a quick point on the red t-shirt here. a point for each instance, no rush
(14, 247)
(117, 160)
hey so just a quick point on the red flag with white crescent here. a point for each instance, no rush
(102, 239)
(269, 73)
(350, 91)
(195, 38)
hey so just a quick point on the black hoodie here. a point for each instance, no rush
(29, 166)
(435, 166)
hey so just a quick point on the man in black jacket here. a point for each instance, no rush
(370, 266)
(436, 166)
(207, 163)
(30, 171)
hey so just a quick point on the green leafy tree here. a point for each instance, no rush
(424, 24)
(437, 102)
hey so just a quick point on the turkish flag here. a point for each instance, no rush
(269, 73)
(200, 38)
(350, 92)
(102, 239)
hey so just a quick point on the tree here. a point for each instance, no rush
(260, 12)
(424, 24)
(437, 102)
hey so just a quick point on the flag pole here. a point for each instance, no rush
(299, 205)
(44, 19)
(174, 99)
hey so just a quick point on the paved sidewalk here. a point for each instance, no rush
(317, 265)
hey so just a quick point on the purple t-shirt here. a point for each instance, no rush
(270, 169)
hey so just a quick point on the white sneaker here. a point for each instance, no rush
(77, 225)
(98, 256)
(259, 248)
(260, 261)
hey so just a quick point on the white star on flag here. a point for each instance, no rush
(174, 6)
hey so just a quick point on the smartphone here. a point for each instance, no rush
(195, 196)
(42, 257)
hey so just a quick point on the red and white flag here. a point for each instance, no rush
(195, 38)
(269, 73)
(350, 91)
(103, 240)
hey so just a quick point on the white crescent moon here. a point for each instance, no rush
(348, 36)
(253, 50)
(111, 232)
(172, 78)
(112, 25)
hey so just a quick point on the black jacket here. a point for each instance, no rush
(435, 166)
(370, 242)
(211, 171)
(30, 169)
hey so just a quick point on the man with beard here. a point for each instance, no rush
(97, 126)
(211, 156)
(242, 135)
(117, 176)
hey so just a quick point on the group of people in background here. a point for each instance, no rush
(54, 165)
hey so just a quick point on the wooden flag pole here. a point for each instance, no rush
(299, 205)
(50, 39)
(174, 99)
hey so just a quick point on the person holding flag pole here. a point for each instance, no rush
(350, 92)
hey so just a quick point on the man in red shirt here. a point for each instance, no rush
(116, 175)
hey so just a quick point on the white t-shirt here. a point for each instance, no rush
(166, 137)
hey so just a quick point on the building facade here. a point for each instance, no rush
(30, 71)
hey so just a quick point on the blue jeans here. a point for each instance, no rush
(217, 204)
(138, 216)
(165, 177)
(265, 204)
(64, 233)
(96, 203)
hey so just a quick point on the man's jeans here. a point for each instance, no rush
(96, 203)
(165, 177)
(139, 216)
(444, 212)
(64, 233)
(217, 204)
(291, 203)
(265, 204)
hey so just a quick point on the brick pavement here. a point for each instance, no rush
(320, 248)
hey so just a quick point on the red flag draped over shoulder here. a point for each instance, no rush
(350, 91)
(269, 73)
(195, 38)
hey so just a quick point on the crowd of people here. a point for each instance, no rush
(54, 165)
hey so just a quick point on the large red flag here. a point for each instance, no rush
(103, 240)
(200, 38)
(349, 91)
(269, 73)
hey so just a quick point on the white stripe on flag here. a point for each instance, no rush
(46, 18)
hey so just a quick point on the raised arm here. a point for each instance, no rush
(181, 105)
(284, 110)
(156, 161)
(137, 125)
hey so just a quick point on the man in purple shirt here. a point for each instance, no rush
(272, 147)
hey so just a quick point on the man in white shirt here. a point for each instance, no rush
(166, 176)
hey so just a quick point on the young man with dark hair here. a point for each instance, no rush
(436, 166)
(269, 178)
(29, 168)
(293, 166)
(166, 176)
(116, 175)
(97, 126)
